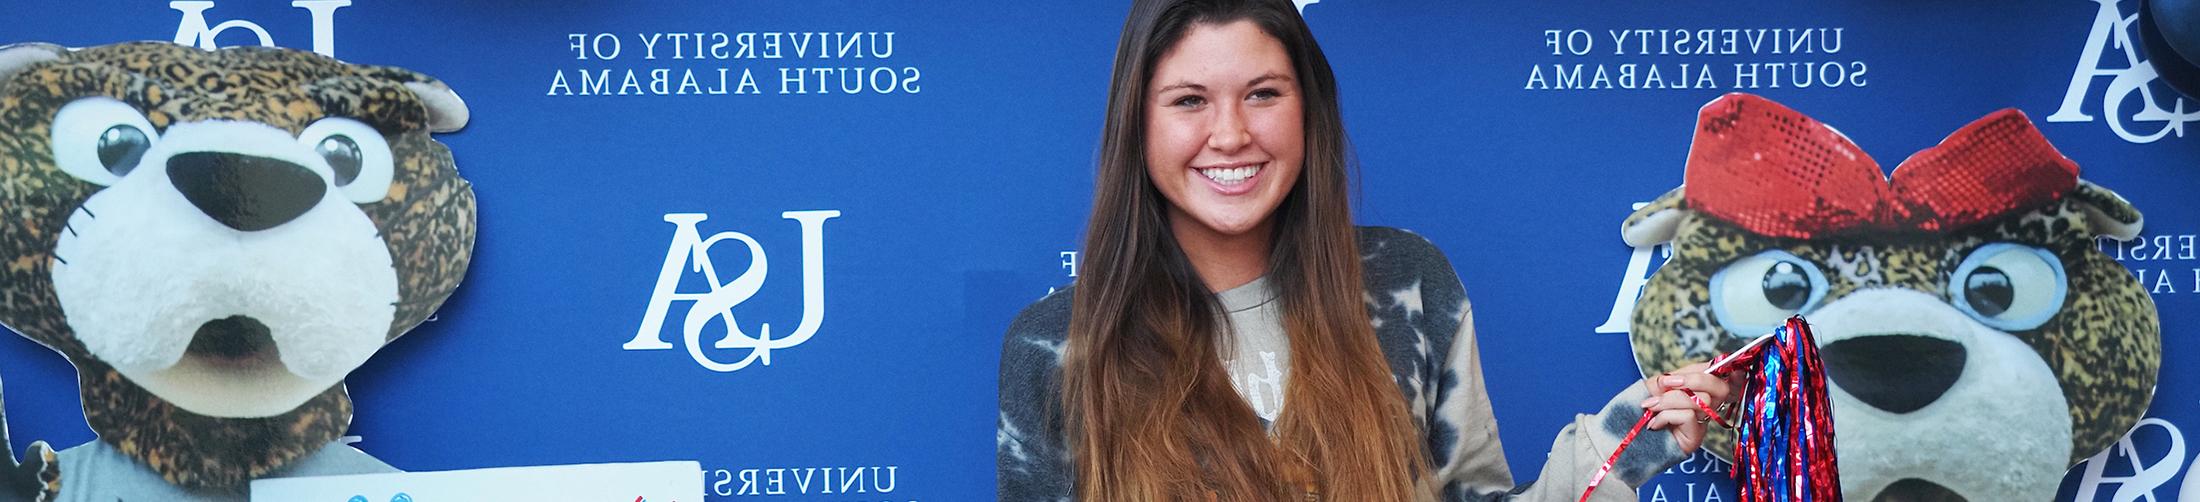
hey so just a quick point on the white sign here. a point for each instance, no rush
(636, 482)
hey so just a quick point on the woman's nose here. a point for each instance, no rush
(1229, 133)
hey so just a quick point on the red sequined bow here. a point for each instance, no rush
(1776, 172)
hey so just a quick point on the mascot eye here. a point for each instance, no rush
(1786, 286)
(343, 157)
(358, 157)
(99, 139)
(1753, 295)
(121, 147)
(2008, 286)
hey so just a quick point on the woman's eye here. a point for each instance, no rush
(1264, 95)
(1188, 102)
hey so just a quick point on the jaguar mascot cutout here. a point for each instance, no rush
(1976, 340)
(215, 239)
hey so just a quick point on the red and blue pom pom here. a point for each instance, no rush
(1783, 451)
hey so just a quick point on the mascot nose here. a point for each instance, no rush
(1899, 373)
(245, 192)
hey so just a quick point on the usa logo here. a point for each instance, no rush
(194, 31)
(689, 253)
(2129, 78)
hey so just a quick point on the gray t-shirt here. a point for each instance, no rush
(97, 472)
(1257, 351)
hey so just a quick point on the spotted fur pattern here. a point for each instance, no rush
(2104, 344)
(426, 219)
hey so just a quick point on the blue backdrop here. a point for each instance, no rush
(955, 141)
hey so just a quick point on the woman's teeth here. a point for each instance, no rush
(1231, 175)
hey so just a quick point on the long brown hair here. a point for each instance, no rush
(1150, 411)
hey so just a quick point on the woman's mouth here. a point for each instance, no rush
(1231, 176)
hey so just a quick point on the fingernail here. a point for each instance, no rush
(1646, 403)
(1671, 381)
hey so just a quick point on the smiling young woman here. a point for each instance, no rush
(1234, 337)
(1225, 138)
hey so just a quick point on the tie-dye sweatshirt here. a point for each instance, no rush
(1425, 326)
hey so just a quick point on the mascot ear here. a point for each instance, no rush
(1655, 223)
(16, 57)
(2107, 213)
(446, 112)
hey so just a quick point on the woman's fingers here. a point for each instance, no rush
(1674, 411)
(1671, 400)
(1714, 390)
(1684, 401)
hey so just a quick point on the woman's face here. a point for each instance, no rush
(1224, 134)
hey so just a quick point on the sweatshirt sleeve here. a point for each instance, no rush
(1471, 460)
(1467, 457)
(1030, 461)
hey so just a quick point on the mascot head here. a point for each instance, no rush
(1976, 340)
(216, 238)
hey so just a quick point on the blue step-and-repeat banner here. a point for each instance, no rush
(911, 174)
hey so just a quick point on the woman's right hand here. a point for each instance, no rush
(1683, 402)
